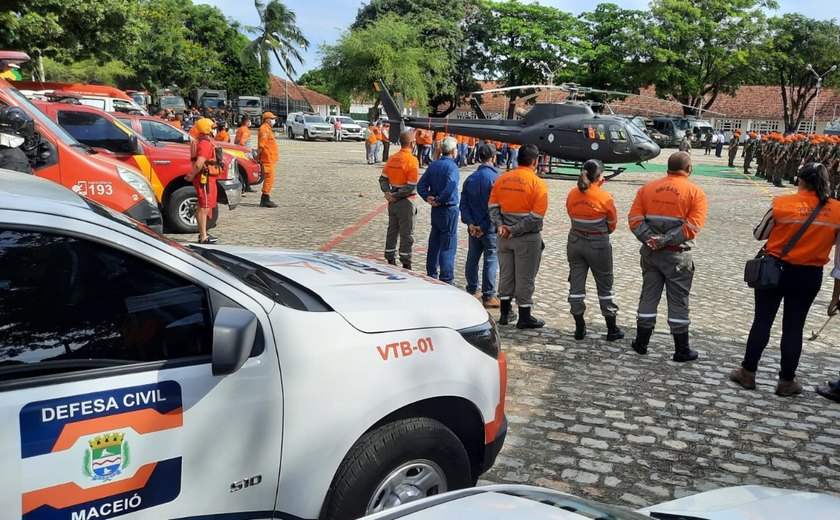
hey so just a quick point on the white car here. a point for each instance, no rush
(144, 378)
(308, 126)
(349, 128)
(498, 502)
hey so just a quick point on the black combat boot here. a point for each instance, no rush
(526, 321)
(580, 327)
(265, 202)
(406, 265)
(613, 332)
(505, 306)
(391, 261)
(682, 352)
(640, 344)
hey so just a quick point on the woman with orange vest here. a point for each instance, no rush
(801, 276)
(243, 133)
(593, 215)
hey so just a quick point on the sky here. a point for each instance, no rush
(323, 21)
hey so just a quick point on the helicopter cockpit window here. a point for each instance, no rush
(638, 134)
(618, 134)
(595, 131)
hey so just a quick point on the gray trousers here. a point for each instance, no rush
(587, 254)
(519, 262)
(369, 152)
(673, 270)
(401, 217)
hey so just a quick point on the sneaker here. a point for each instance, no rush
(492, 303)
(788, 388)
(743, 377)
(209, 240)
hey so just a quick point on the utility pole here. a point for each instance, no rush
(817, 99)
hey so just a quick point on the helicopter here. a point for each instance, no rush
(567, 133)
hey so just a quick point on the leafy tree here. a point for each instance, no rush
(87, 71)
(441, 31)
(700, 49)
(613, 60)
(388, 49)
(319, 81)
(794, 41)
(523, 44)
(279, 36)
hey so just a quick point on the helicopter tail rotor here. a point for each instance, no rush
(392, 110)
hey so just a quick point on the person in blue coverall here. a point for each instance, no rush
(474, 197)
(439, 187)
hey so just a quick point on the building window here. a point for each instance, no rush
(805, 127)
(728, 125)
(766, 126)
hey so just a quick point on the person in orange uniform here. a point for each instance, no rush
(801, 276)
(423, 138)
(386, 141)
(179, 121)
(194, 133)
(398, 182)
(666, 216)
(517, 206)
(376, 134)
(222, 134)
(268, 153)
(202, 175)
(593, 215)
(243, 132)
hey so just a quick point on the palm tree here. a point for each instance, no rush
(278, 35)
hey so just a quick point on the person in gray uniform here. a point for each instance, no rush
(593, 215)
(398, 182)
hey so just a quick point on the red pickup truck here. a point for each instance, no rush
(158, 131)
(164, 164)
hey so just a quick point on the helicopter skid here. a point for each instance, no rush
(554, 168)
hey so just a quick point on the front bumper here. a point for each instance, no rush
(147, 214)
(492, 449)
(230, 192)
(253, 170)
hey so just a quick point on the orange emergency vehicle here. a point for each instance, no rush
(75, 166)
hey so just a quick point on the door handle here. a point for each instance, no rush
(161, 163)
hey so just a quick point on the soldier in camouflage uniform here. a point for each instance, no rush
(749, 150)
(760, 147)
(733, 147)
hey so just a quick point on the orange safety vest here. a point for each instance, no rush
(592, 211)
(194, 132)
(401, 168)
(223, 136)
(519, 192)
(670, 201)
(375, 135)
(789, 213)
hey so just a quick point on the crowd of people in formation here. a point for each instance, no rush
(427, 147)
(504, 214)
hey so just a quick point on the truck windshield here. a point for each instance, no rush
(172, 102)
(315, 119)
(212, 103)
(42, 119)
(346, 121)
(249, 103)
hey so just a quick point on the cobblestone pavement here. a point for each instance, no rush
(592, 417)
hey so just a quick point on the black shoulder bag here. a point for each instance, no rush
(765, 271)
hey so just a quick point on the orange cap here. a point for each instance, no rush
(268, 115)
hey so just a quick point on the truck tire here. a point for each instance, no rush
(179, 212)
(306, 136)
(290, 133)
(421, 455)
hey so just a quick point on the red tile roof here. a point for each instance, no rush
(278, 86)
(750, 102)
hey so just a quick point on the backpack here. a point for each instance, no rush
(213, 167)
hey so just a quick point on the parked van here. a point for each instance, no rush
(164, 165)
(672, 127)
(75, 166)
(105, 98)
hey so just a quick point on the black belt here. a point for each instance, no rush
(677, 248)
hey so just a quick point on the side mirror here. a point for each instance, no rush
(186, 138)
(234, 332)
(134, 144)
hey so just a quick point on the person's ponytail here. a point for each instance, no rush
(815, 176)
(591, 172)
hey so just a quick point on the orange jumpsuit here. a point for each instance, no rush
(268, 155)
(243, 135)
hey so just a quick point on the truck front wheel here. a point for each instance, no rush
(179, 212)
(395, 464)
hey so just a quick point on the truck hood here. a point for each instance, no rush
(372, 297)
(749, 502)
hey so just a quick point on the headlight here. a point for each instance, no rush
(484, 337)
(231, 169)
(139, 183)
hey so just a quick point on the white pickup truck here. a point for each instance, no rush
(308, 126)
(147, 379)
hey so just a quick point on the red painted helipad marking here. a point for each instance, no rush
(355, 227)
